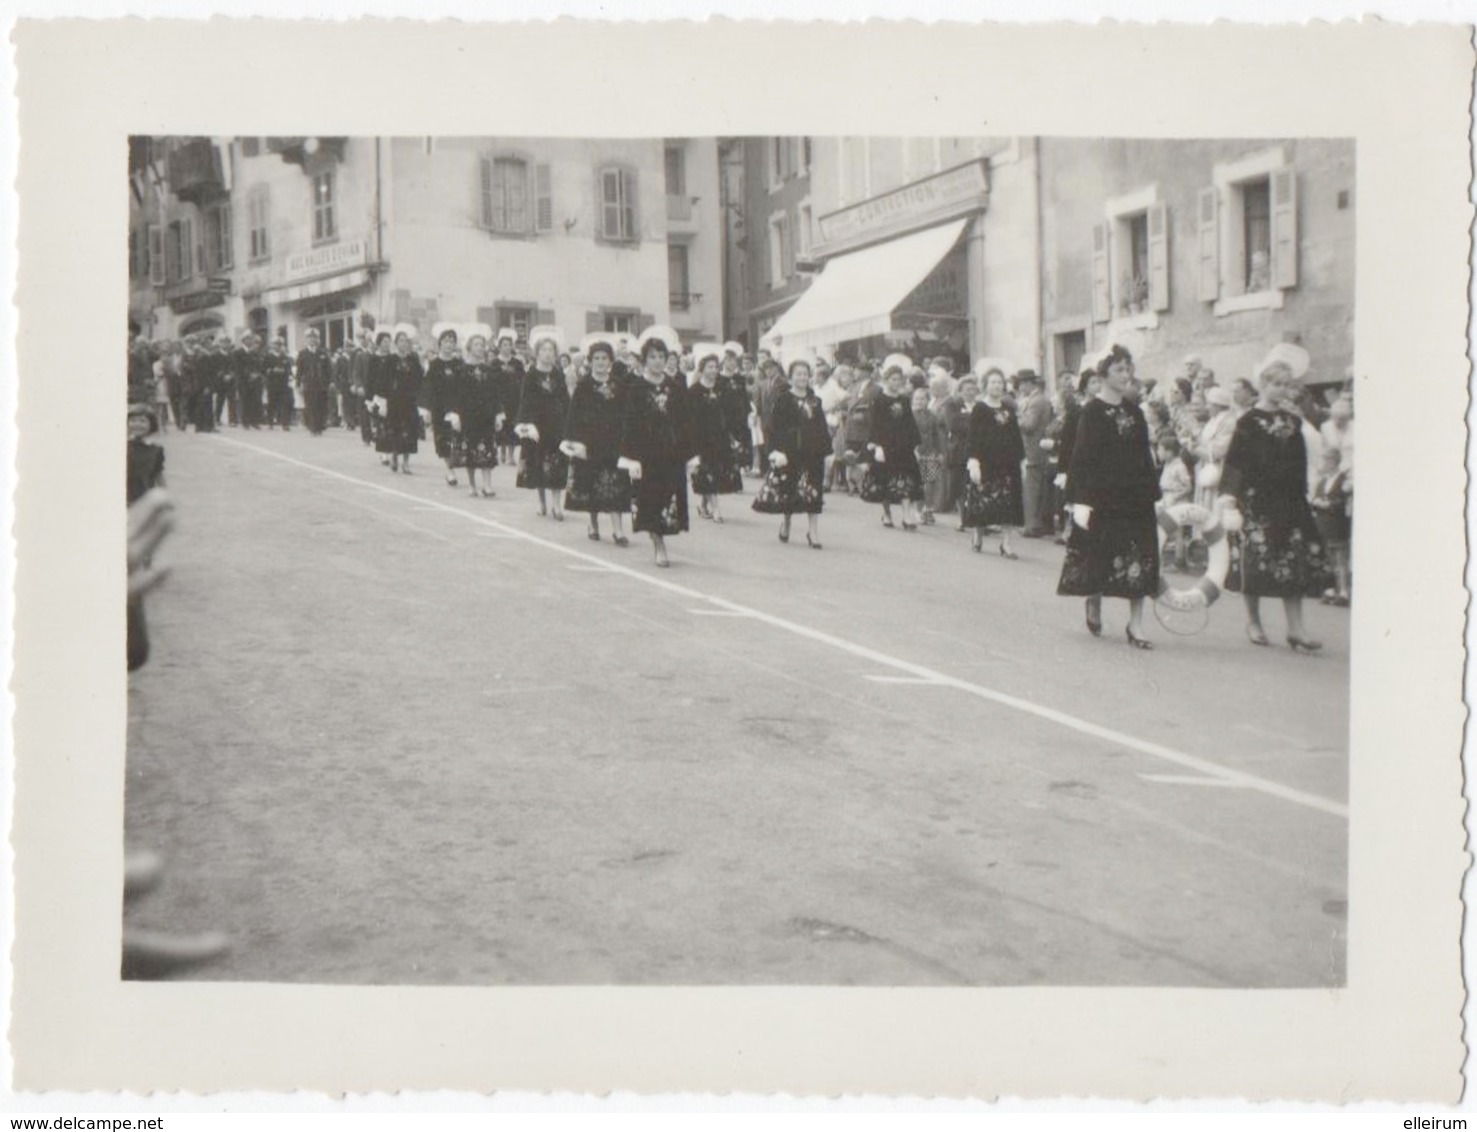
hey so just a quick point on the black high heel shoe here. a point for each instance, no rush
(1256, 636)
(1137, 642)
(785, 532)
(1094, 615)
(810, 542)
(1303, 644)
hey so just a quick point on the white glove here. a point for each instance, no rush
(528, 432)
(382, 406)
(501, 417)
(574, 449)
(1048, 444)
(880, 455)
(779, 460)
(694, 463)
(369, 406)
(1060, 481)
(454, 420)
(426, 415)
(1082, 515)
(976, 473)
(630, 467)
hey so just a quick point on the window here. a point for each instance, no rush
(618, 204)
(805, 229)
(621, 321)
(218, 251)
(1256, 236)
(1130, 260)
(1247, 229)
(678, 286)
(325, 221)
(516, 318)
(779, 250)
(783, 156)
(676, 168)
(180, 251)
(505, 194)
(157, 268)
(258, 215)
(333, 319)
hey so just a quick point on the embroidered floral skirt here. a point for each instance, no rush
(717, 477)
(597, 487)
(790, 491)
(1278, 552)
(994, 503)
(478, 451)
(892, 483)
(541, 465)
(444, 438)
(661, 501)
(1118, 556)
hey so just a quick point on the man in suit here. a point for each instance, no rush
(312, 378)
(955, 411)
(1034, 411)
(277, 374)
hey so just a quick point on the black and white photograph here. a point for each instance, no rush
(852, 560)
(810, 560)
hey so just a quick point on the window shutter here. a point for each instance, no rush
(610, 204)
(1158, 258)
(544, 198)
(1284, 228)
(486, 183)
(631, 229)
(594, 321)
(1209, 236)
(1102, 298)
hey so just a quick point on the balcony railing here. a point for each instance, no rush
(195, 171)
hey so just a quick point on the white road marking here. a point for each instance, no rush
(1189, 780)
(601, 569)
(494, 534)
(717, 613)
(1040, 711)
(900, 679)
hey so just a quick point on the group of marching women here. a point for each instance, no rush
(628, 439)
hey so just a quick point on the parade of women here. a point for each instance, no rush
(1254, 477)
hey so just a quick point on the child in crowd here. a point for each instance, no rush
(1176, 485)
(1330, 502)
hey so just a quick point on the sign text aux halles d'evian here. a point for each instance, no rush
(965, 184)
(326, 260)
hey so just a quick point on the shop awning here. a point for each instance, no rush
(855, 295)
(319, 287)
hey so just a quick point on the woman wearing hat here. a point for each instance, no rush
(893, 443)
(443, 377)
(1112, 486)
(992, 489)
(543, 409)
(656, 446)
(509, 372)
(1278, 552)
(592, 443)
(799, 442)
(477, 412)
(717, 471)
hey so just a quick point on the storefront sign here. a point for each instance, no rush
(196, 301)
(966, 186)
(322, 261)
(944, 293)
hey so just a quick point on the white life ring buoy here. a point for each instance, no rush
(1212, 530)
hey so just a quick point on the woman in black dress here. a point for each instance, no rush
(400, 388)
(1112, 487)
(377, 381)
(799, 442)
(893, 442)
(656, 447)
(443, 377)
(717, 471)
(1278, 552)
(478, 411)
(543, 408)
(992, 492)
(733, 391)
(508, 372)
(592, 443)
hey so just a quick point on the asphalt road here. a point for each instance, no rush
(391, 734)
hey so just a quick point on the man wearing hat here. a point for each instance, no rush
(277, 377)
(1033, 409)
